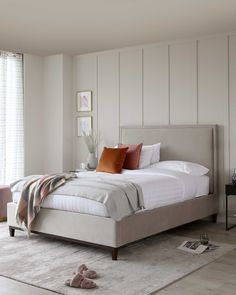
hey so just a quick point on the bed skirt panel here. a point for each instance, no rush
(108, 232)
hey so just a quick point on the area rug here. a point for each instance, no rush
(142, 268)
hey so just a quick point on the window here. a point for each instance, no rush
(11, 117)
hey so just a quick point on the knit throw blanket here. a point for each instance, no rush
(33, 193)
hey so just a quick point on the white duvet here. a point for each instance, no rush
(160, 188)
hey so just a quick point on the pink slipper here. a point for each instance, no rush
(87, 273)
(79, 281)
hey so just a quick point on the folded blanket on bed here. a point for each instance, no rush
(34, 191)
(120, 197)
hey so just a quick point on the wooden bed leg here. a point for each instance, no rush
(114, 253)
(11, 231)
(214, 218)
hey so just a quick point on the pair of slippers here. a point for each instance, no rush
(82, 278)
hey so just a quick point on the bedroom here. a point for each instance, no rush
(169, 65)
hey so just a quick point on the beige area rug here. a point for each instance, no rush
(142, 268)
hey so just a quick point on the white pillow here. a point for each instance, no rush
(156, 153)
(145, 156)
(182, 166)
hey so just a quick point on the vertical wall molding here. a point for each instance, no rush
(97, 95)
(142, 87)
(169, 82)
(229, 97)
(197, 81)
(119, 94)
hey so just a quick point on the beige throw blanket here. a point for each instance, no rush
(33, 193)
(121, 197)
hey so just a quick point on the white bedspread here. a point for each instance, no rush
(160, 188)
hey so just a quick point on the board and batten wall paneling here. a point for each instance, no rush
(131, 104)
(213, 97)
(183, 83)
(85, 78)
(155, 85)
(180, 82)
(108, 98)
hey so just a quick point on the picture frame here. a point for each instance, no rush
(84, 101)
(84, 125)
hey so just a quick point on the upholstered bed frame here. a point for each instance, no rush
(191, 143)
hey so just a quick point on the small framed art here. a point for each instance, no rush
(84, 125)
(84, 101)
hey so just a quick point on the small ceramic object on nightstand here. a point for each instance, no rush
(5, 197)
(83, 166)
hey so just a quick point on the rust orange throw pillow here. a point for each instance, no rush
(112, 160)
(132, 156)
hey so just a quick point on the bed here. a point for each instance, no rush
(189, 143)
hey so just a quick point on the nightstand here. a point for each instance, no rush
(230, 190)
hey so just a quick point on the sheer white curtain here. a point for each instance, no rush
(11, 117)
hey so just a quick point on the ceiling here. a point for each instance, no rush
(80, 26)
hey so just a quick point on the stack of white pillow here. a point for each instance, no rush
(150, 154)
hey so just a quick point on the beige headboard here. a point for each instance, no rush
(194, 143)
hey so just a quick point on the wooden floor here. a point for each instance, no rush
(218, 277)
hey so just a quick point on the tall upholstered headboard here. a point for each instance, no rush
(194, 143)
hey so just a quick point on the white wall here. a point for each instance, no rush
(48, 114)
(53, 113)
(67, 113)
(33, 111)
(84, 77)
(181, 82)
(58, 155)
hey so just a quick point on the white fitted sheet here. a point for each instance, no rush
(160, 188)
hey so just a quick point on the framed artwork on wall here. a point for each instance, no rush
(84, 125)
(84, 101)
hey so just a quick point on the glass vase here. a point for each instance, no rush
(92, 161)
